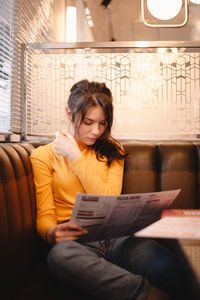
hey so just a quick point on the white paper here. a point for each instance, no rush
(107, 217)
(173, 227)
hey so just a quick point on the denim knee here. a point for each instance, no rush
(148, 258)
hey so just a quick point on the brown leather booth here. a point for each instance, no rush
(150, 166)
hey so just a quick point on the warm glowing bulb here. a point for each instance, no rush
(87, 12)
(167, 50)
(164, 9)
(90, 23)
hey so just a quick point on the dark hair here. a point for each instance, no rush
(85, 94)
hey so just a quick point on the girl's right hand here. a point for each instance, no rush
(66, 145)
(64, 232)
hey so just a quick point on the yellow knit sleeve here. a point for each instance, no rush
(42, 172)
(96, 177)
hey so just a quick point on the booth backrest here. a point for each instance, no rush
(150, 166)
(164, 166)
(18, 251)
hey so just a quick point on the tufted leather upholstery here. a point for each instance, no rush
(164, 166)
(150, 166)
(18, 253)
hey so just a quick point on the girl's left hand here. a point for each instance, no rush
(66, 146)
(68, 231)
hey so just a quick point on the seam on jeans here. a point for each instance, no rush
(109, 252)
(142, 283)
(105, 245)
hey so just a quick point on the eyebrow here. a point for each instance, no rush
(94, 120)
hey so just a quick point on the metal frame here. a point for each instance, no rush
(113, 45)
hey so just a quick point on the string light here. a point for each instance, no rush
(167, 55)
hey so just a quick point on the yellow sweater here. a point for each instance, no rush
(57, 181)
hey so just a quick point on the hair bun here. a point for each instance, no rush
(91, 87)
(82, 85)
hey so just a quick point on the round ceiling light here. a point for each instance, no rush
(164, 10)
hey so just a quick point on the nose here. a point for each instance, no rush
(95, 129)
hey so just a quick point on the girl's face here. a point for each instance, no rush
(93, 126)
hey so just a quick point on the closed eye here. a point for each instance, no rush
(87, 123)
(90, 122)
(103, 123)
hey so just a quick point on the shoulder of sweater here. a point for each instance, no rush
(43, 150)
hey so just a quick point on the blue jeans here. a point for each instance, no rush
(120, 269)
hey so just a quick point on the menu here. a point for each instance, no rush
(107, 217)
(175, 223)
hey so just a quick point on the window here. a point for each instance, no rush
(5, 73)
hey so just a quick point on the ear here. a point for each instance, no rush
(69, 114)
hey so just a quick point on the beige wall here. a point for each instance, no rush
(127, 23)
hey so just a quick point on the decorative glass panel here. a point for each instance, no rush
(156, 95)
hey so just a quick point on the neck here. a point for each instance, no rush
(81, 144)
